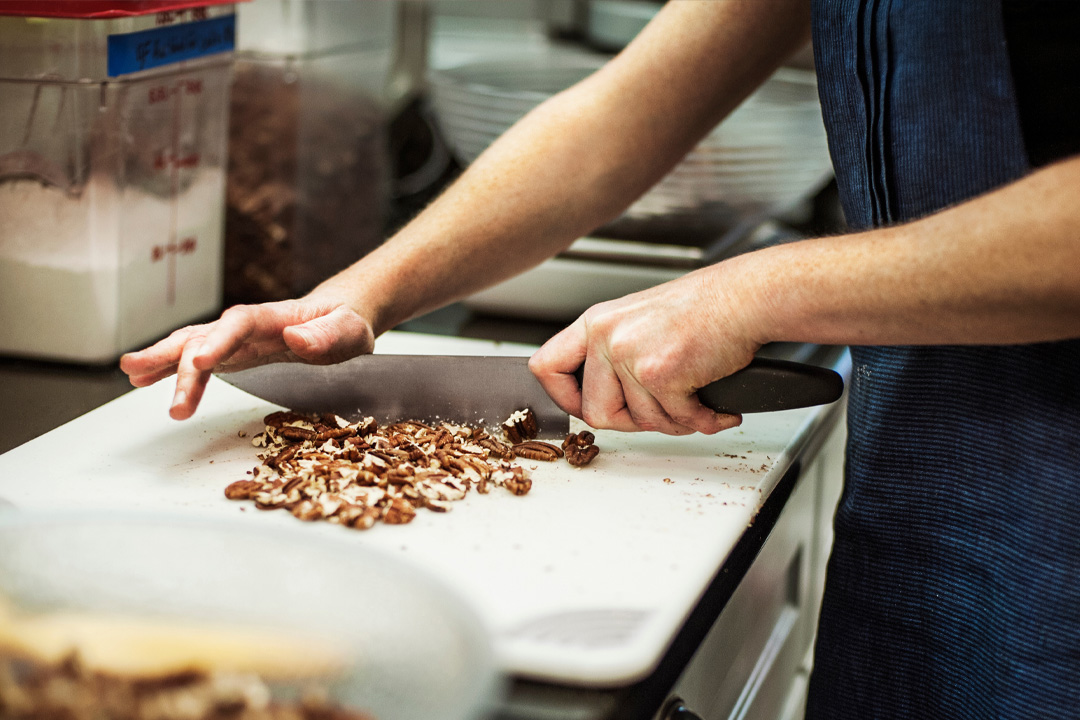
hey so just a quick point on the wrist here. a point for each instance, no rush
(746, 299)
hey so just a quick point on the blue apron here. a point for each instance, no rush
(953, 588)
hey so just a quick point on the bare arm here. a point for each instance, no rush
(1000, 269)
(580, 159)
(573, 163)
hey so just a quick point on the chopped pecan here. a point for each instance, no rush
(436, 505)
(399, 512)
(291, 432)
(332, 433)
(307, 511)
(401, 475)
(518, 486)
(409, 427)
(294, 484)
(281, 418)
(242, 490)
(496, 448)
(323, 467)
(275, 461)
(537, 450)
(359, 517)
(521, 426)
(271, 500)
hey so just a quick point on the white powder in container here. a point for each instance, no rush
(86, 277)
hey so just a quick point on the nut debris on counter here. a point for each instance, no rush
(322, 467)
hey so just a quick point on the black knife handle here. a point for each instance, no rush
(766, 385)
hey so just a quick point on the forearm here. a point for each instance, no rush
(578, 160)
(1000, 269)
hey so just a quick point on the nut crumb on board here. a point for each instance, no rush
(322, 467)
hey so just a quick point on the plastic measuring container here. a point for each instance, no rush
(113, 130)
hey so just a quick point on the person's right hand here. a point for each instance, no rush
(312, 330)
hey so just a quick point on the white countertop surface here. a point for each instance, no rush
(584, 580)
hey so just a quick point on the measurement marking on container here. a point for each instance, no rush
(184, 247)
(161, 93)
(174, 210)
(170, 17)
(166, 159)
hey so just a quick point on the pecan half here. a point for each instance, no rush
(579, 447)
(291, 432)
(332, 433)
(307, 511)
(537, 450)
(581, 439)
(581, 456)
(496, 448)
(399, 512)
(281, 418)
(242, 490)
(518, 486)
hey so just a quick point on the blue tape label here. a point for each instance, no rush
(132, 52)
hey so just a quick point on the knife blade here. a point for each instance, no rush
(485, 390)
(480, 390)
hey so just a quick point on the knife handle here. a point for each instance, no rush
(766, 385)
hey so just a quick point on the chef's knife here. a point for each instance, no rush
(485, 390)
(482, 390)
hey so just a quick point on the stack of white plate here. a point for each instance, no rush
(769, 154)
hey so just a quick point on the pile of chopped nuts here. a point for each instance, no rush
(356, 474)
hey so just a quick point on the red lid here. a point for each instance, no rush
(100, 9)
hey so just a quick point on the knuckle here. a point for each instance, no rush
(594, 418)
(649, 424)
(653, 373)
(237, 313)
(538, 363)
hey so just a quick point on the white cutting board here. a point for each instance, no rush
(584, 580)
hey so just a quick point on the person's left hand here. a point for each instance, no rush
(646, 355)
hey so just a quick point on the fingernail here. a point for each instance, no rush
(305, 337)
(179, 398)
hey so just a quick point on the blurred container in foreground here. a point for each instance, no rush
(112, 173)
(308, 184)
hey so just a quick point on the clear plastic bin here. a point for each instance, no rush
(309, 174)
(112, 178)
